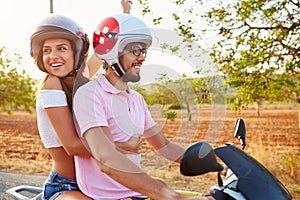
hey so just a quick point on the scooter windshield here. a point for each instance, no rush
(254, 180)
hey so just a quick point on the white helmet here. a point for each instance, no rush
(58, 26)
(114, 33)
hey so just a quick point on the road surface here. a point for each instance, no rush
(10, 179)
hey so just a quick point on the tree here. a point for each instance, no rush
(256, 44)
(16, 90)
(185, 93)
(258, 49)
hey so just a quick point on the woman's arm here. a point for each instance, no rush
(62, 122)
(126, 5)
(63, 125)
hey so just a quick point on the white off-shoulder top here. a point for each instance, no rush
(47, 99)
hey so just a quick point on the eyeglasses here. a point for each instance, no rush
(137, 51)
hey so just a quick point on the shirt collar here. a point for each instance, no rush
(107, 86)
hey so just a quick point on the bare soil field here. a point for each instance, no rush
(272, 138)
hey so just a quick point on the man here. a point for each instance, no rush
(108, 111)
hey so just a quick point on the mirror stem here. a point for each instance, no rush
(243, 142)
(220, 181)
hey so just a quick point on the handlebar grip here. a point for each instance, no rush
(219, 195)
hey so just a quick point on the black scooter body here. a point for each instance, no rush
(254, 180)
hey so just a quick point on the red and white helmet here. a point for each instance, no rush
(58, 26)
(114, 33)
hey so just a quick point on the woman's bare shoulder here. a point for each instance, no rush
(52, 83)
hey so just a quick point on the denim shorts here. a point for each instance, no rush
(55, 185)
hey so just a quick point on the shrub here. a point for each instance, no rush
(171, 116)
(176, 106)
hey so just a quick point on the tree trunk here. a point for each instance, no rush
(189, 111)
(259, 102)
(299, 116)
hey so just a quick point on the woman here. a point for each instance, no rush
(59, 48)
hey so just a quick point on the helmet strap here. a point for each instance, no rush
(72, 73)
(68, 92)
(117, 69)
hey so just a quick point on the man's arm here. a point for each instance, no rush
(121, 169)
(162, 145)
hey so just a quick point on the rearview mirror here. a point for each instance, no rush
(240, 131)
(199, 159)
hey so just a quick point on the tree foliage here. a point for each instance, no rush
(182, 93)
(16, 90)
(256, 44)
(258, 49)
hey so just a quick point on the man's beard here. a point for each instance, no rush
(131, 77)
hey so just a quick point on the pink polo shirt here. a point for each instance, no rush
(98, 103)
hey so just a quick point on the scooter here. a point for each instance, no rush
(246, 178)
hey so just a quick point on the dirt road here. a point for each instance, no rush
(10, 179)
